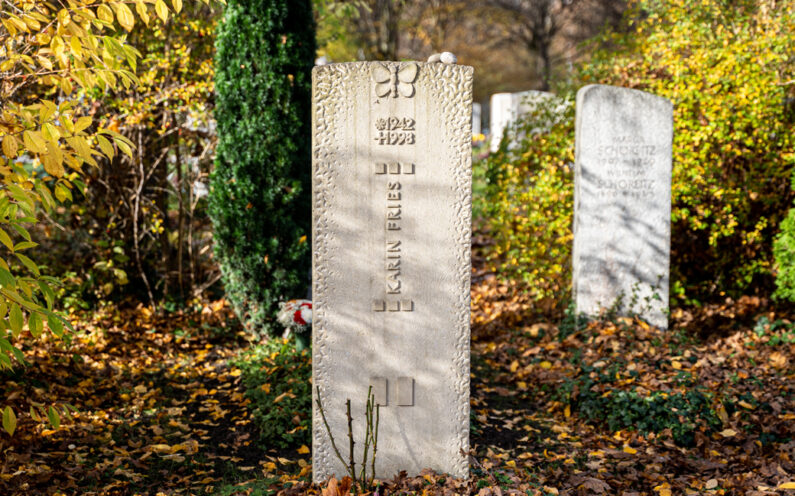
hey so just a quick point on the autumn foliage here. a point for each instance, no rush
(527, 205)
(125, 370)
(728, 71)
(51, 55)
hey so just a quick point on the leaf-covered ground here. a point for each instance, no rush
(611, 407)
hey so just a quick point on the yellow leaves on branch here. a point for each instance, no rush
(125, 16)
(50, 52)
(162, 10)
(76, 46)
(56, 139)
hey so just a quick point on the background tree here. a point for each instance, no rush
(140, 229)
(260, 198)
(335, 37)
(551, 29)
(378, 26)
(53, 57)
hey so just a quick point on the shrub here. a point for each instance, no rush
(48, 136)
(260, 201)
(784, 252)
(277, 381)
(726, 68)
(529, 198)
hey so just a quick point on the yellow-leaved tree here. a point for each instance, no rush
(54, 56)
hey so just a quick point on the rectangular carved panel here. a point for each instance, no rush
(380, 390)
(405, 391)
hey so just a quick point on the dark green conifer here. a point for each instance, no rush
(260, 199)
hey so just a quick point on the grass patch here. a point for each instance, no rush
(277, 381)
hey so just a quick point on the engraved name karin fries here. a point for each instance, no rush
(393, 218)
(393, 226)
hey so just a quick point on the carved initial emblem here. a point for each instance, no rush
(395, 79)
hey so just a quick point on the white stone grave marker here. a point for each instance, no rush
(507, 108)
(391, 261)
(622, 202)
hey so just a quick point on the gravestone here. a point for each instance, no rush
(476, 119)
(622, 202)
(391, 233)
(507, 108)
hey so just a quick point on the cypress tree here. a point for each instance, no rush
(260, 198)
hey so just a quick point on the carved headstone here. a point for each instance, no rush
(476, 119)
(508, 108)
(622, 202)
(391, 261)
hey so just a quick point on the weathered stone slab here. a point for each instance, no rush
(391, 261)
(476, 119)
(507, 108)
(622, 202)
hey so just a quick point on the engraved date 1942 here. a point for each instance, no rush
(395, 131)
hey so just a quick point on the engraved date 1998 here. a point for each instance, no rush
(395, 131)
(395, 138)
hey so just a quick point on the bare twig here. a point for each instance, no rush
(52, 221)
(368, 417)
(481, 467)
(328, 430)
(375, 441)
(362, 483)
(135, 225)
(352, 443)
(180, 213)
(201, 289)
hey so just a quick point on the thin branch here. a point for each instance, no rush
(201, 289)
(328, 430)
(375, 440)
(135, 224)
(350, 438)
(52, 221)
(368, 417)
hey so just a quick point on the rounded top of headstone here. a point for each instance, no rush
(448, 58)
(619, 93)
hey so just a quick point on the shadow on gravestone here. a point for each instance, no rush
(622, 203)
(391, 261)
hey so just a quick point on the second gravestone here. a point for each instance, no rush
(622, 202)
(391, 261)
